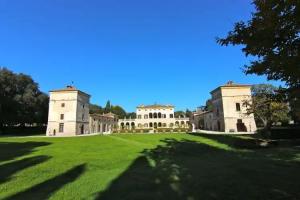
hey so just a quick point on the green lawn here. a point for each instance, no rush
(155, 166)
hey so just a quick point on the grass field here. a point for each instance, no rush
(156, 166)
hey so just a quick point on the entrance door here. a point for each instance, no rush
(82, 129)
(241, 126)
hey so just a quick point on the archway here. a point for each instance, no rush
(132, 125)
(127, 126)
(150, 115)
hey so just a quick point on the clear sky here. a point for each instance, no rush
(128, 51)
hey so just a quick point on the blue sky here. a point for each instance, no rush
(131, 52)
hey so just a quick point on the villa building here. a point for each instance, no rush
(228, 113)
(68, 112)
(103, 123)
(153, 118)
(69, 115)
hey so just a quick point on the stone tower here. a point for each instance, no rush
(68, 112)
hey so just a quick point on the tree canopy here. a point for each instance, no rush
(118, 110)
(21, 101)
(266, 106)
(272, 38)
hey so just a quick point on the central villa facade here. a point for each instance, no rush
(154, 118)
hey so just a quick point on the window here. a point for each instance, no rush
(145, 116)
(82, 116)
(238, 106)
(62, 116)
(61, 127)
(83, 106)
(150, 115)
(159, 115)
(139, 116)
(171, 116)
(63, 105)
(146, 125)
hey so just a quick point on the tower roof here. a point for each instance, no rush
(69, 88)
(231, 84)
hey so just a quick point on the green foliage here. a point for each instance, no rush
(272, 36)
(107, 107)
(131, 115)
(266, 106)
(179, 114)
(117, 110)
(95, 109)
(209, 105)
(21, 101)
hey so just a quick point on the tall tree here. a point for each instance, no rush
(118, 110)
(21, 101)
(272, 38)
(95, 109)
(107, 107)
(267, 107)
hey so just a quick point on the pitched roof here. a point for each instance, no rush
(230, 84)
(155, 106)
(69, 88)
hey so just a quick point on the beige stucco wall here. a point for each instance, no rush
(102, 124)
(143, 120)
(224, 116)
(75, 111)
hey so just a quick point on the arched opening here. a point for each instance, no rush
(122, 126)
(145, 116)
(150, 115)
(151, 124)
(140, 126)
(155, 125)
(159, 124)
(164, 125)
(182, 124)
(177, 124)
(171, 125)
(146, 125)
(132, 125)
(154, 115)
(159, 115)
(127, 126)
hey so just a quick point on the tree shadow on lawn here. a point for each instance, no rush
(7, 170)
(12, 150)
(45, 189)
(190, 170)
